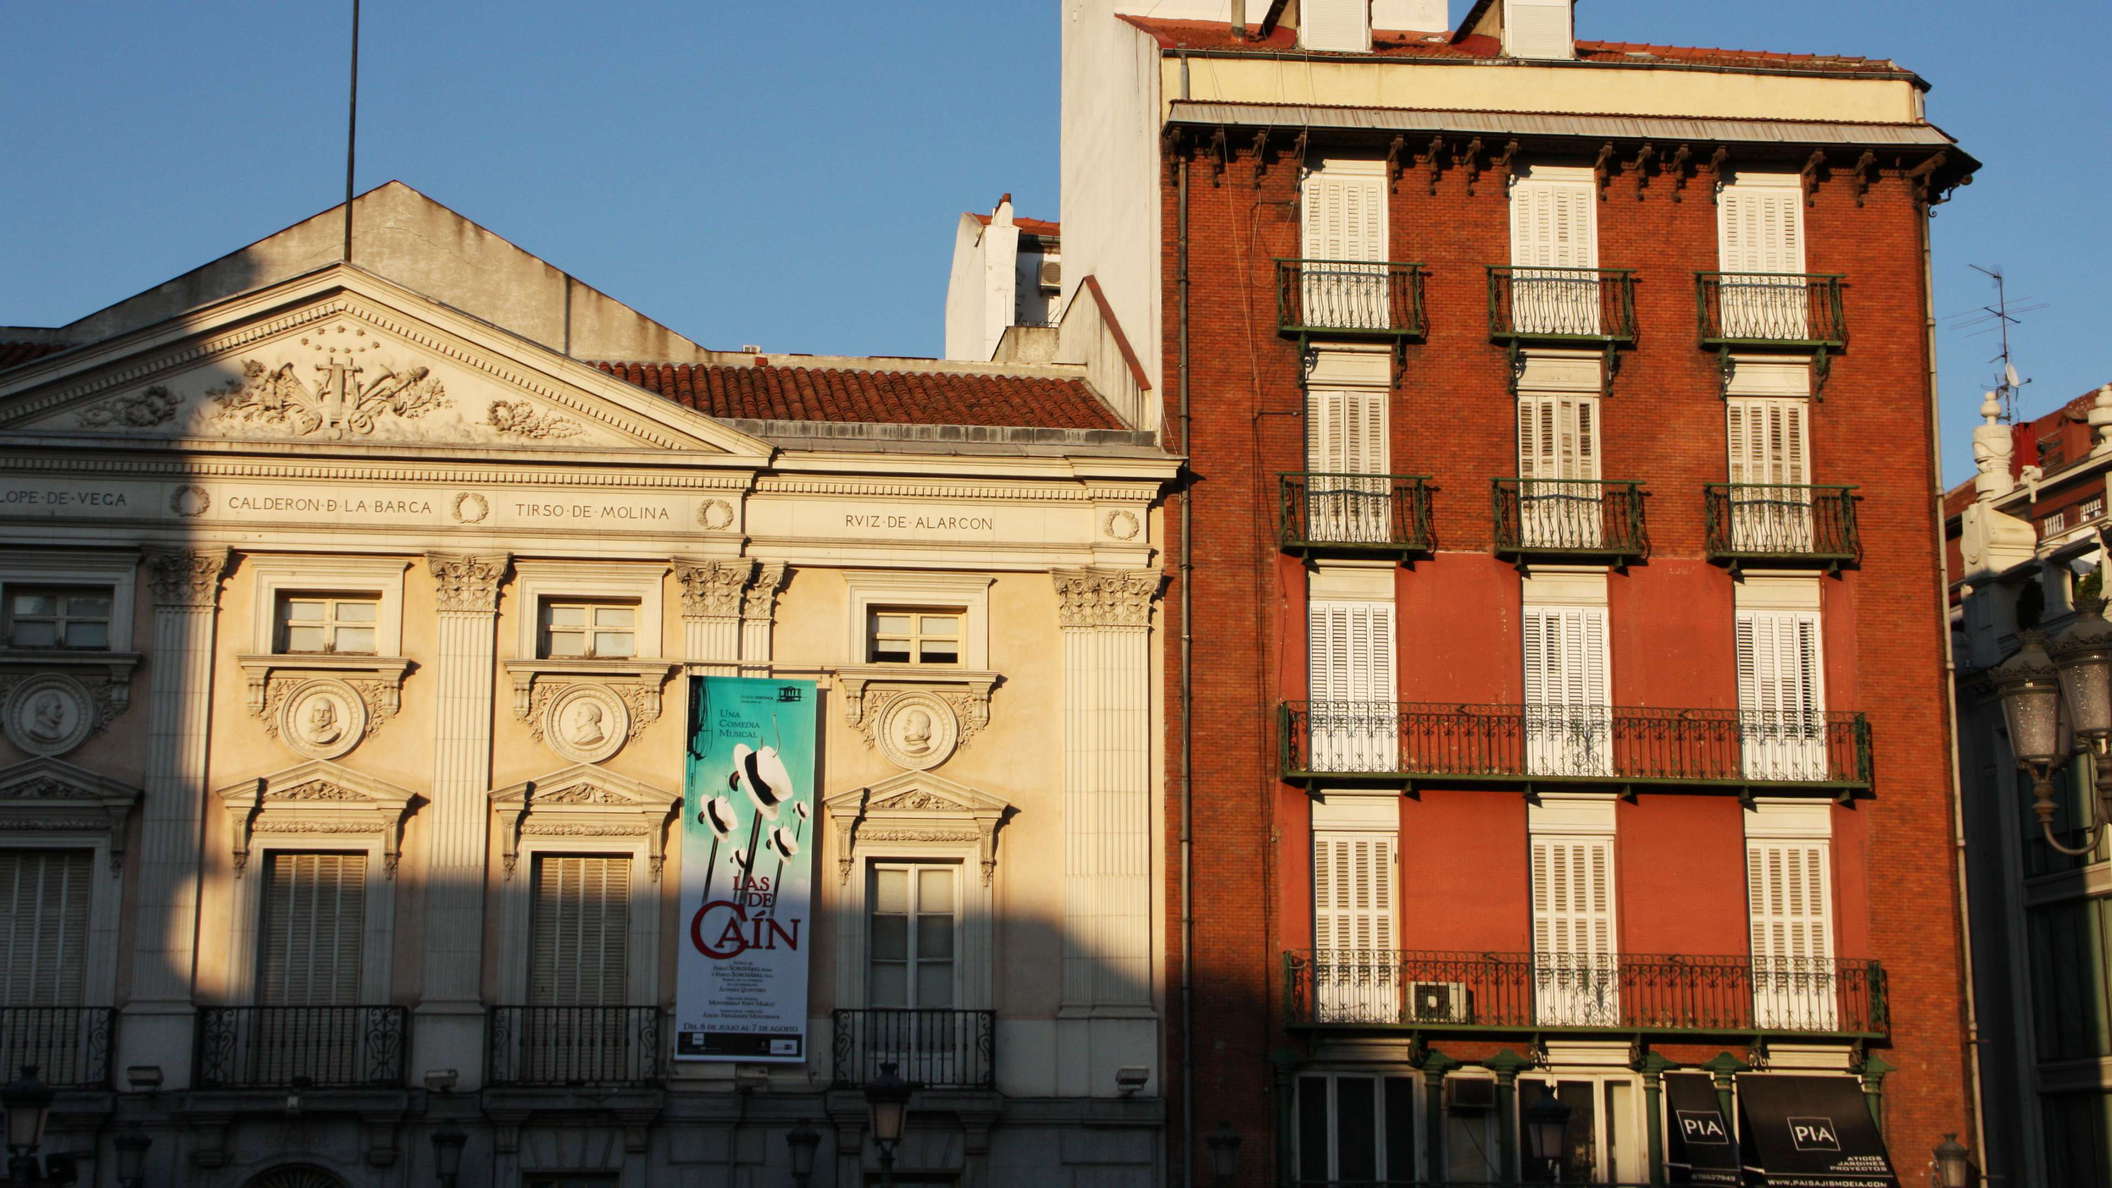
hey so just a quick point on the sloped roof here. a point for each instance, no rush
(15, 354)
(767, 391)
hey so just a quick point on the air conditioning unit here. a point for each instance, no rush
(1470, 1095)
(1052, 276)
(1439, 1002)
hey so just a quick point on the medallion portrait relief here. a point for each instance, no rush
(586, 723)
(917, 731)
(323, 719)
(49, 715)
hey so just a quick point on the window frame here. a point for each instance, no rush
(59, 618)
(965, 593)
(117, 571)
(283, 623)
(915, 866)
(246, 950)
(278, 576)
(913, 642)
(588, 630)
(537, 582)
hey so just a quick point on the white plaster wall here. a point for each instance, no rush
(966, 295)
(1111, 112)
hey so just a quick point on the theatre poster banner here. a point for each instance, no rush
(747, 871)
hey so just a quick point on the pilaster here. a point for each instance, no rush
(186, 589)
(711, 614)
(758, 615)
(450, 1013)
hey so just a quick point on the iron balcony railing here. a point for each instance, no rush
(1785, 523)
(1595, 305)
(1358, 298)
(1761, 309)
(1569, 517)
(1388, 741)
(1586, 992)
(599, 1046)
(930, 1048)
(70, 1045)
(325, 1047)
(1356, 513)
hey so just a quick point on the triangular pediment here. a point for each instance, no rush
(46, 780)
(583, 785)
(318, 783)
(342, 360)
(917, 792)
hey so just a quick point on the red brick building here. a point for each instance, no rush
(1555, 687)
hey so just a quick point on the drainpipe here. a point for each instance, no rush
(1186, 569)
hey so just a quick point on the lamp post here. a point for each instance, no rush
(1224, 1154)
(801, 1141)
(28, 1102)
(2034, 686)
(1547, 1132)
(887, 1107)
(132, 1144)
(448, 1142)
(1954, 1168)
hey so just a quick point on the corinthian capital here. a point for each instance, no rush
(760, 601)
(186, 577)
(468, 582)
(712, 589)
(1105, 597)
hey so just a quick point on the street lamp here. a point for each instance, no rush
(28, 1102)
(1953, 1168)
(802, 1141)
(447, 1154)
(1224, 1153)
(132, 1144)
(887, 1107)
(2034, 686)
(1547, 1131)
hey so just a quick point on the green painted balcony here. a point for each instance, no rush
(1370, 514)
(1574, 519)
(1782, 524)
(1586, 306)
(1766, 309)
(1349, 299)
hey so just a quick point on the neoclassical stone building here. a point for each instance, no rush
(352, 614)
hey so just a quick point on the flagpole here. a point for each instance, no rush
(351, 131)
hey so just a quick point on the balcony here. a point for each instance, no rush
(1763, 309)
(70, 1045)
(1782, 524)
(1575, 519)
(322, 1047)
(1589, 306)
(1385, 514)
(1349, 299)
(1386, 742)
(931, 1048)
(599, 1046)
(1585, 993)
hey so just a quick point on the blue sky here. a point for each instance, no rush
(788, 175)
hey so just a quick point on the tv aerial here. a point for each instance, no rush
(1999, 317)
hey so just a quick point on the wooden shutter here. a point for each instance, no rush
(44, 923)
(1344, 215)
(1573, 897)
(1341, 25)
(1767, 440)
(1353, 891)
(1565, 656)
(1554, 224)
(315, 927)
(1761, 229)
(1346, 431)
(1787, 890)
(1778, 662)
(1558, 437)
(581, 925)
(1351, 651)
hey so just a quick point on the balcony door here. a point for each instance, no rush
(1576, 967)
(1568, 693)
(1792, 934)
(575, 1026)
(308, 973)
(1554, 235)
(1348, 499)
(1770, 501)
(1356, 970)
(1355, 722)
(1760, 238)
(44, 897)
(912, 972)
(1781, 704)
(1342, 281)
(1560, 502)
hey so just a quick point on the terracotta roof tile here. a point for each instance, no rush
(1045, 228)
(759, 391)
(14, 354)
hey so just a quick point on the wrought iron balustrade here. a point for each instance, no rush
(1359, 298)
(1355, 513)
(325, 1047)
(931, 1048)
(1594, 305)
(1471, 991)
(70, 1045)
(1783, 523)
(1762, 309)
(1570, 517)
(1536, 743)
(575, 1045)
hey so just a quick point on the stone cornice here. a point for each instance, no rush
(569, 472)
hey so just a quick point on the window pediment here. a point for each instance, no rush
(583, 801)
(314, 799)
(916, 807)
(48, 795)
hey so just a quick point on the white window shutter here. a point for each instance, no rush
(1355, 893)
(1767, 440)
(1789, 901)
(1344, 216)
(314, 929)
(44, 922)
(1575, 946)
(581, 930)
(1761, 229)
(1558, 437)
(1781, 695)
(1346, 430)
(1554, 224)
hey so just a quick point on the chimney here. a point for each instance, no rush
(1540, 29)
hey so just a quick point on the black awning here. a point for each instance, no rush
(1811, 1132)
(1699, 1147)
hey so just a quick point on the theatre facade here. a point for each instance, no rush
(366, 626)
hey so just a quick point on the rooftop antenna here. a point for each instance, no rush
(2007, 386)
(351, 131)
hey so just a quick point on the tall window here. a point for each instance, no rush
(1781, 700)
(314, 929)
(1788, 885)
(910, 935)
(1346, 441)
(1355, 968)
(44, 926)
(1576, 969)
(1568, 691)
(1355, 1129)
(908, 635)
(1560, 502)
(1769, 467)
(58, 617)
(328, 624)
(1554, 245)
(1344, 283)
(1350, 678)
(1760, 236)
(578, 629)
(580, 924)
